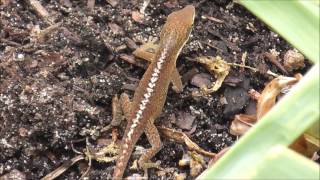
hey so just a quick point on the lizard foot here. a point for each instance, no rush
(145, 166)
(148, 165)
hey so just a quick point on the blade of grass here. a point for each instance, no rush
(296, 21)
(281, 126)
(275, 161)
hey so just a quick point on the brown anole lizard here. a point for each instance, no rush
(150, 95)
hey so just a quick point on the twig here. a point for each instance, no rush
(11, 43)
(273, 59)
(253, 69)
(89, 157)
(47, 31)
(212, 19)
(57, 172)
(243, 58)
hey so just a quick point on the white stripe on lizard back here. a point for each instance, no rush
(147, 95)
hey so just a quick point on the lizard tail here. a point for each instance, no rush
(125, 153)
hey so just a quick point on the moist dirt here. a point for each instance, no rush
(56, 85)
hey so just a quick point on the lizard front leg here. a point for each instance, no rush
(120, 107)
(147, 52)
(125, 104)
(153, 136)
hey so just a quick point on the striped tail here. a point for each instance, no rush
(125, 153)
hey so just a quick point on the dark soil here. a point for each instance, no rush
(56, 91)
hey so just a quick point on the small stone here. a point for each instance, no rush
(223, 100)
(20, 57)
(23, 132)
(293, 60)
(116, 29)
(137, 17)
(185, 120)
(201, 79)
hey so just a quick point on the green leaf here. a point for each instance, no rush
(261, 153)
(277, 158)
(288, 119)
(296, 21)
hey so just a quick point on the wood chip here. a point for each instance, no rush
(212, 19)
(130, 59)
(41, 11)
(113, 3)
(66, 3)
(131, 44)
(185, 120)
(201, 80)
(274, 60)
(137, 17)
(90, 4)
(116, 29)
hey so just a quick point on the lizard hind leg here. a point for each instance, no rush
(156, 144)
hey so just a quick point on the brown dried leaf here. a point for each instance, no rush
(270, 93)
(218, 156)
(180, 137)
(115, 28)
(113, 3)
(242, 123)
(130, 59)
(300, 146)
(219, 68)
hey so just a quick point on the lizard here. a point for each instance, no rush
(150, 95)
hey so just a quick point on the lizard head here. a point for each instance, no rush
(178, 25)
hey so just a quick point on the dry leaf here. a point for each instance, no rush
(242, 123)
(219, 68)
(180, 137)
(268, 96)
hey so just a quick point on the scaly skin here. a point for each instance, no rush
(150, 95)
